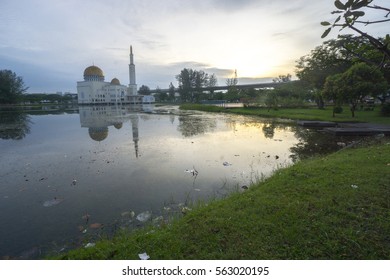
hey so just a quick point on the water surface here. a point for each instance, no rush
(68, 177)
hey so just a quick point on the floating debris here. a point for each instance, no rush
(225, 163)
(194, 172)
(276, 157)
(143, 256)
(74, 182)
(245, 187)
(158, 219)
(341, 144)
(43, 178)
(96, 225)
(185, 210)
(144, 216)
(89, 245)
(52, 202)
(85, 217)
(130, 214)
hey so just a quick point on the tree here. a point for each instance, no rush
(282, 79)
(356, 83)
(11, 87)
(351, 16)
(191, 83)
(144, 90)
(332, 90)
(325, 60)
(171, 93)
(232, 82)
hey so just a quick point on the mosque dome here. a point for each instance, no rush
(115, 81)
(98, 133)
(93, 73)
(118, 125)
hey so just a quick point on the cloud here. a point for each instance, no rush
(259, 38)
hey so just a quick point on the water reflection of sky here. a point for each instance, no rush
(124, 160)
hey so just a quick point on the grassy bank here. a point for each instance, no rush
(335, 207)
(298, 113)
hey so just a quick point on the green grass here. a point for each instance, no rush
(298, 113)
(306, 211)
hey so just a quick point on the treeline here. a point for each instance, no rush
(46, 98)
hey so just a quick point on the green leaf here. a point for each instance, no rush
(339, 5)
(326, 32)
(337, 19)
(349, 3)
(336, 12)
(325, 23)
(358, 14)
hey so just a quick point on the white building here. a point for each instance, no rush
(94, 90)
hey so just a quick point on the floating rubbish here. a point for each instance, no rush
(74, 182)
(96, 225)
(226, 163)
(144, 216)
(341, 144)
(86, 217)
(130, 214)
(354, 186)
(194, 172)
(143, 256)
(276, 157)
(197, 190)
(52, 202)
(81, 228)
(185, 210)
(244, 187)
(89, 245)
(43, 178)
(158, 219)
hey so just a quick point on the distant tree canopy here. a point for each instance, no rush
(352, 86)
(335, 57)
(191, 83)
(11, 87)
(144, 90)
(282, 79)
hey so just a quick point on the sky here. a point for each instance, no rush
(50, 42)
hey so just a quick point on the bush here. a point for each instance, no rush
(385, 110)
(337, 109)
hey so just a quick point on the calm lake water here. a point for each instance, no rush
(67, 178)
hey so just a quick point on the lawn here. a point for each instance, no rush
(299, 113)
(332, 207)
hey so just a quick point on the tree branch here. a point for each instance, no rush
(379, 8)
(372, 22)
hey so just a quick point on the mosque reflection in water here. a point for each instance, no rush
(98, 120)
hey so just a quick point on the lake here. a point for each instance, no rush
(69, 177)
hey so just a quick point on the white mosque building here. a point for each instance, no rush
(94, 90)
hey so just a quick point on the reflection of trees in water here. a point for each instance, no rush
(314, 143)
(194, 125)
(15, 124)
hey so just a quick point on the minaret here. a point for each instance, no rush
(134, 128)
(132, 84)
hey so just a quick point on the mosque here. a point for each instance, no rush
(94, 90)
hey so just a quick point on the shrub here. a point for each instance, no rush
(337, 109)
(385, 110)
